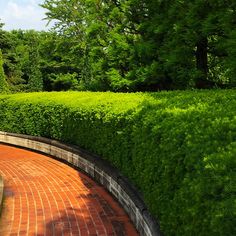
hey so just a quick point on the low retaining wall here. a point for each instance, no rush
(96, 168)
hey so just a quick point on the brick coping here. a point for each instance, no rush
(99, 170)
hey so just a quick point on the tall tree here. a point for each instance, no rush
(104, 38)
(189, 41)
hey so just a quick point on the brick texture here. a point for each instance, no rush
(46, 197)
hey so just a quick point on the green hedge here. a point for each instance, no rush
(178, 148)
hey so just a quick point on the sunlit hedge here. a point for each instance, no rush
(178, 148)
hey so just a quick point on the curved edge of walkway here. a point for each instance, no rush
(1, 193)
(98, 169)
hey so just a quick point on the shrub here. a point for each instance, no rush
(178, 148)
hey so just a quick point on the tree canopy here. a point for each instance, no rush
(122, 45)
(139, 45)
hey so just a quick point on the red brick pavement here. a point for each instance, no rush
(46, 197)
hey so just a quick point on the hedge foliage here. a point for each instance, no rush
(178, 148)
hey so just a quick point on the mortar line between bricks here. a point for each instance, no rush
(54, 180)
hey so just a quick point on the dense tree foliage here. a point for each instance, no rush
(149, 44)
(36, 61)
(123, 45)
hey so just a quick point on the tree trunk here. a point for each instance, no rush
(202, 64)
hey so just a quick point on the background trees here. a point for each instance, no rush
(34, 61)
(122, 45)
(150, 45)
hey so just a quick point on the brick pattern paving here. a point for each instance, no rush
(46, 197)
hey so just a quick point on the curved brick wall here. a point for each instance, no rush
(96, 168)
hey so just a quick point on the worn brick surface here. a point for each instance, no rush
(46, 197)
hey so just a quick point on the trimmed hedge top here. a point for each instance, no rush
(178, 148)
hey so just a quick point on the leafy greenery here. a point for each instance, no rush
(3, 83)
(149, 44)
(120, 45)
(62, 82)
(35, 81)
(32, 58)
(178, 148)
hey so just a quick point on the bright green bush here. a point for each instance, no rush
(178, 148)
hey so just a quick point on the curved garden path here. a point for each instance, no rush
(46, 197)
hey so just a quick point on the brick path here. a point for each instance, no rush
(46, 197)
